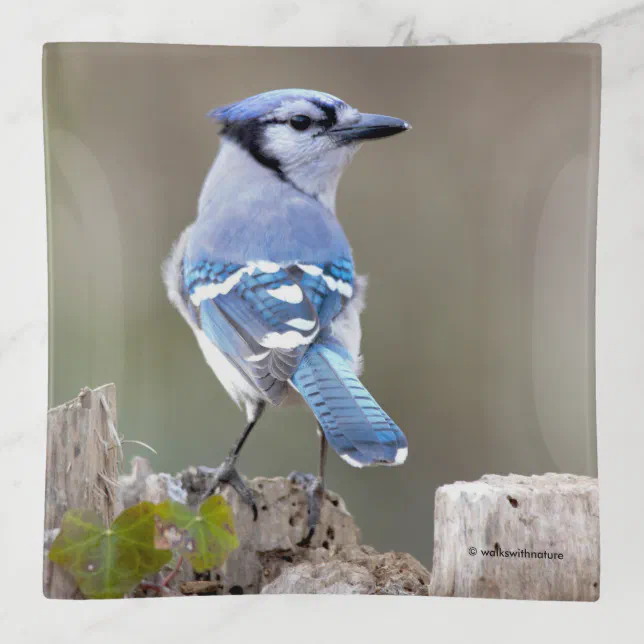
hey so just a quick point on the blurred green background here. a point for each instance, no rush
(477, 231)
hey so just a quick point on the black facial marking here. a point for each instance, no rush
(249, 135)
(330, 112)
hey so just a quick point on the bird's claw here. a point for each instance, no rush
(227, 473)
(315, 492)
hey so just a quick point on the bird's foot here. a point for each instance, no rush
(227, 473)
(315, 492)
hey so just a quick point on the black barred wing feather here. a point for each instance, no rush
(258, 315)
(328, 285)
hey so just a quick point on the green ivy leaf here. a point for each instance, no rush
(205, 539)
(107, 563)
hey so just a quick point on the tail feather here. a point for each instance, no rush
(354, 424)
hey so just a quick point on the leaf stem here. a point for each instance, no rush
(148, 585)
(173, 573)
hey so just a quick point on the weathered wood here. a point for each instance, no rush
(269, 559)
(346, 570)
(515, 537)
(551, 522)
(281, 524)
(83, 453)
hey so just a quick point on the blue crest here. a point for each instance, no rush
(260, 104)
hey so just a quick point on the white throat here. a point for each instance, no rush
(320, 177)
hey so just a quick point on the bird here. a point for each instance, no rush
(265, 277)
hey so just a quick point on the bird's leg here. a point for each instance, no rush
(227, 471)
(314, 490)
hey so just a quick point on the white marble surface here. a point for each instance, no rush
(617, 25)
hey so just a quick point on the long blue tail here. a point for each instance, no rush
(353, 422)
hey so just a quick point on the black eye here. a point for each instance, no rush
(300, 122)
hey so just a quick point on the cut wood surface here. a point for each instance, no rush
(517, 537)
(83, 452)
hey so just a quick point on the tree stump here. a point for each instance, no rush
(269, 559)
(83, 452)
(517, 537)
(281, 523)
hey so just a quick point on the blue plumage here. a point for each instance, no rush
(283, 224)
(353, 422)
(261, 105)
(265, 275)
(239, 312)
(239, 308)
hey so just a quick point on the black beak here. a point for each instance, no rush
(370, 126)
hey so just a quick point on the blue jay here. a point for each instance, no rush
(265, 276)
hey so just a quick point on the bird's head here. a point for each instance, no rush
(304, 136)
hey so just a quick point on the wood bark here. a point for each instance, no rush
(83, 453)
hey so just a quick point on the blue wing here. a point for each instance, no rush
(263, 316)
(270, 321)
(329, 286)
